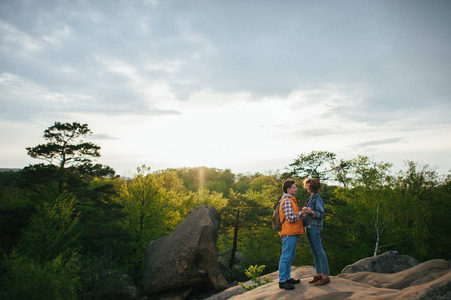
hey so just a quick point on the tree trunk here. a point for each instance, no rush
(62, 174)
(61, 180)
(377, 244)
(235, 240)
(376, 226)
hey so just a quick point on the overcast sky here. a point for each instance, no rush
(240, 85)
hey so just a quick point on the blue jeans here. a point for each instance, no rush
(314, 240)
(288, 253)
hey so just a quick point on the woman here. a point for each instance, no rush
(314, 215)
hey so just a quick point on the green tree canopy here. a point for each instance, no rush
(67, 150)
(372, 195)
(66, 145)
(316, 164)
(54, 231)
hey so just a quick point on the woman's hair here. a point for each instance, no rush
(313, 183)
(287, 184)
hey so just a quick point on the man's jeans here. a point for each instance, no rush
(288, 253)
(314, 239)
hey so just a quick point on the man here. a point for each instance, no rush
(290, 216)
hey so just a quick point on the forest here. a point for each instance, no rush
(68, 226)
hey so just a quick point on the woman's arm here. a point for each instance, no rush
(318, 208)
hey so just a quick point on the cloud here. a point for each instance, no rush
(235, 47)
(23, 99)
(317, 74)
(376, 143)
(103, 136)
(13, 39)
(320, 132)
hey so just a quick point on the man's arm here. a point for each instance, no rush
(287, 208)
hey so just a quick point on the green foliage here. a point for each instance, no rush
(417, 191)
(65, 144)
(171, 182)
(316, 164)
(45, 264)
(101, 217)
(100, 277)
(261, 245)
(12, 223)
(243, 216)
(143, 201)
(253, 272)
(73, 155)
(10, 193)
(53, 231)
(27, 278)
(145, 216)
(201, 197)
(372, 196)
(220, 181)
(100, 214)
(439, 234)
(242, 182)
(343, 241)
(39, 183)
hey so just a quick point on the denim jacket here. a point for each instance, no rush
(317, 205)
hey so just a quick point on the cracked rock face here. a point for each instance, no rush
(187, 259)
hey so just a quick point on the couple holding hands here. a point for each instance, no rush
(293, 220)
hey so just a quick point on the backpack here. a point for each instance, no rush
(275, 222)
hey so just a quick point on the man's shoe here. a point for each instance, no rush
(315, 279)
(293, 281)
(323, 281)
(286, 285)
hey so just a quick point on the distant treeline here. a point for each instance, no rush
(9, 169)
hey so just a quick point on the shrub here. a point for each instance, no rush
(27, 278)
(253, 272)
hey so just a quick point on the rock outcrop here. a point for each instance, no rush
(296, 272)
(429, 280)
(186, 260)
(389, 262)
(418, 275)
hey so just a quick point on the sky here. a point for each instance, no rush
(241, 85)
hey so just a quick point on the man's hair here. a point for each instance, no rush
(313, 183)
(287, 184)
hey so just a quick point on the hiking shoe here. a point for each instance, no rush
(315, 279)
(323, 281)
(286, 285)
(293, 281)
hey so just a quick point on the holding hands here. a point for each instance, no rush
(308, 210)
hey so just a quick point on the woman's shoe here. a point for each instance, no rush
(323, 281)
(315, 279)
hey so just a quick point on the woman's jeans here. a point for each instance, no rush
(314, 239)
(288, 253)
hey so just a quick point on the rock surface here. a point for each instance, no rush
(432, 276)
(296, 272)
(389, 262)
(187, 259)
(429, 280)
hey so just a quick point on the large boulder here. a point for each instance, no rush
(187, 259)
(389, 262)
